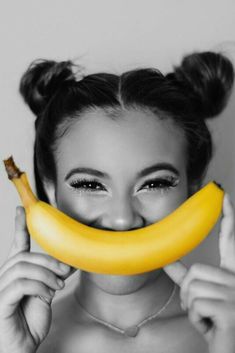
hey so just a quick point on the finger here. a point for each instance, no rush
(204, 289)
(176, 271)
(31, 271)
(219, 312)
(70, 273)
(44, 260)
(227, 236)
(207, 273)
(21, 240)
(202, 323)
(44, 299)
(12, 295)
(64, 277)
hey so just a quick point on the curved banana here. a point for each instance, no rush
(116, 252)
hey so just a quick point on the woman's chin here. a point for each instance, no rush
(119, 284)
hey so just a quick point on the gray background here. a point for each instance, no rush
(110, 36)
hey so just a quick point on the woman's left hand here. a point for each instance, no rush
(208, 292)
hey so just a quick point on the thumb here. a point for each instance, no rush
(21, 240)
(176, 271)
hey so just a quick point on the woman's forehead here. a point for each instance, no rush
(137, 136)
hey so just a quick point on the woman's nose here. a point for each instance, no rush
(122, 214)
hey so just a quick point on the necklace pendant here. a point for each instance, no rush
(132, 331)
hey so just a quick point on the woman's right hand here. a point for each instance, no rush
(25, 318)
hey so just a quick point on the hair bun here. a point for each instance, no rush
(42, 80)
(207, 78)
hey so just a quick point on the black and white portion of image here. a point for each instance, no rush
(118, 177)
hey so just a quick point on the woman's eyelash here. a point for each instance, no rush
(161, 183)
(87, 184)
(153, 184)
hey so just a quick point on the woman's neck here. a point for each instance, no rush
(125, 310)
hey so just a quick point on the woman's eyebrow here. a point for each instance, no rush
(156, 167)
(141, 174)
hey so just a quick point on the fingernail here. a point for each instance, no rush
(64, 267)
(60, 282)
(52, 292)
(227, 196)
(182, 306)
(44, 299)
(18, 211)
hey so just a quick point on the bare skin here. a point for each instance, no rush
(72, 330)
(121, 149)
(120, 201)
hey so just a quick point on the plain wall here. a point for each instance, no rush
(110, 36)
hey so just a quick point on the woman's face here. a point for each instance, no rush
(120, 175)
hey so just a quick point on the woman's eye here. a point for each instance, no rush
(153, 184)
(90, 185)
(160, 184)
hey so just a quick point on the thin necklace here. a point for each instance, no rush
(131, 331)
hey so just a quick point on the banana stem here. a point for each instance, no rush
(219, 185)
(21, 183)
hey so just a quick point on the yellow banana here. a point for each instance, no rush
(116, 252)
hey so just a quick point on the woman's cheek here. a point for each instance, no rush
(157, 205)
(84, 208)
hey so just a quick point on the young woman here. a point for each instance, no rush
(120, 153)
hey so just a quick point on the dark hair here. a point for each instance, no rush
(196, 90)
